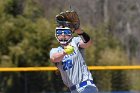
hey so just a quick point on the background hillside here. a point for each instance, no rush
(121, 18)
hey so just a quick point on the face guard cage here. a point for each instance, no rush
(65, 31)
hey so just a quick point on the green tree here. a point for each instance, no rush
(25, 40)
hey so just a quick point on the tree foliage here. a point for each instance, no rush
(26, 39)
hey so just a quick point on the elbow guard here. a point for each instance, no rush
(85, 37)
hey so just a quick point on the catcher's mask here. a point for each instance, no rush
(63, 31)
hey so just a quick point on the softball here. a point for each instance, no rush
(69, 49)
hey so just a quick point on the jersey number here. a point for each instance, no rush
(67, 65)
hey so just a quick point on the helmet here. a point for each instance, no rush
(65, 31)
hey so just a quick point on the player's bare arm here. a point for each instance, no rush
(57, 57)
(86, 41)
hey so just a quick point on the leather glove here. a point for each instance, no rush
(68, 19)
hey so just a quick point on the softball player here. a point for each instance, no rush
(69, 59)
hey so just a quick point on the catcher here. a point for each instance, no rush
(69, 56)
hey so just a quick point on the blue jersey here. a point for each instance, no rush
(73, 68)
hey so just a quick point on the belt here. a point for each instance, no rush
(84, 83)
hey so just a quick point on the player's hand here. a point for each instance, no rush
(69, 49)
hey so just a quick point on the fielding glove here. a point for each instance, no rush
(69, 49)
(68, 19)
